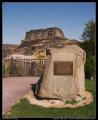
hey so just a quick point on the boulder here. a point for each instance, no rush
(64, 75)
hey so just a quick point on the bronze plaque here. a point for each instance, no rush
(63, 68)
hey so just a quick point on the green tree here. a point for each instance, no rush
(89, 38)
(89, 31)
(90, 67)
(89, 43)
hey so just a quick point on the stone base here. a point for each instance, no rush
(58, 103)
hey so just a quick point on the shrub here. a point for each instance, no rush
(90, 67)
(71, 102)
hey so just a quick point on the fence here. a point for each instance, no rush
(23, 67)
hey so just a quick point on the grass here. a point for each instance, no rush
(25, 110)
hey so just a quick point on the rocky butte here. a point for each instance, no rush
(37, 41)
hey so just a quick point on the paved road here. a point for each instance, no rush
(14, 88)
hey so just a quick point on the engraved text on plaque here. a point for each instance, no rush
(63, 68)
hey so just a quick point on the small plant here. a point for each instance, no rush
(84, 98)
(72, 102)
(52, 102)
(67, 102)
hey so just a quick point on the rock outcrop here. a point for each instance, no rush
(44, 34)
(64, 76)
(41, 39)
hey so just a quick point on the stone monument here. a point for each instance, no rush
(64, 76)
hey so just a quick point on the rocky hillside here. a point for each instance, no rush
(37, 41)
(7, 49)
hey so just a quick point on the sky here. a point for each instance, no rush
(20, 17)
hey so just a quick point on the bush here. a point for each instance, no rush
(72, 102)
(90, 67)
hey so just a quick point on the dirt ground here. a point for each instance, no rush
(58, 103)
(14, 88)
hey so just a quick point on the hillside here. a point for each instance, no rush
(7, 49)
(37, 41)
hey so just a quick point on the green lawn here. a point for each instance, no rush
(25, 109)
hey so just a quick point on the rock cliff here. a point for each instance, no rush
(41, 39)
(44, 33)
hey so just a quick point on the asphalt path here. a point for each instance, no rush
(14, 88)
